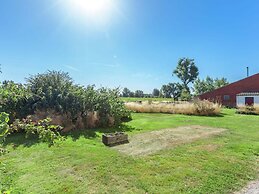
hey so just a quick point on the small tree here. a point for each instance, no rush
(186, 71)
(126, 92)
(131, 94)
(139, 93)
(155, 92)
(171, 90)
(185, 95)
(176, 90)
(165, 91)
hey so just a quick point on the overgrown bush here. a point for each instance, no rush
(109, 107)
(16, 100)
(54, 92)
(57, 92)
(45, 131)
(4, 130)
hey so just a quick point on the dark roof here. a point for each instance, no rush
(248, 94)
(231, 84)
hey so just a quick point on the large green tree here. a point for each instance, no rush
(186, 71)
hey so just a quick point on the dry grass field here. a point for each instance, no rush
(188, 108)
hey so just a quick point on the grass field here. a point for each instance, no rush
(82, 164)
(131, 99)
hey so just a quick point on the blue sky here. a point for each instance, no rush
(136, 46)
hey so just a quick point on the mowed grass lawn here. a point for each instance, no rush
(82, 164)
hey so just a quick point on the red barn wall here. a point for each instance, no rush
(249, 84)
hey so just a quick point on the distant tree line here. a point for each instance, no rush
(138, 93)
(187, 72)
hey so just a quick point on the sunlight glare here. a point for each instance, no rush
(98, 11)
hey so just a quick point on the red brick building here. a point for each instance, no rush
(227, 94)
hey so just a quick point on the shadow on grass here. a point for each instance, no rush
(19, 139)
(191, 115)
(93, 133)
(217, 115)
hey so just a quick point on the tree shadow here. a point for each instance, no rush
(93, 133)
(19, 139)
(216, 115)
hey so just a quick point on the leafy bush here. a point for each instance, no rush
(16, 100)
(57, 92)
(110, 108)
(46, 132)
(4, 127)
(4, 130)
(54, 92)
(53, 89)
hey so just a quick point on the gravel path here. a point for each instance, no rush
(251, 188)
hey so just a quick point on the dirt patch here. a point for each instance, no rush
(154, 141)
(251, 188)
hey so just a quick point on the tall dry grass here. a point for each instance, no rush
(196, 107)
(254, 109)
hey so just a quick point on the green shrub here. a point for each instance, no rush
(53, 90)
(16, 100)
(4, 130)
(45, 131)
(56, 91)
(4, 127)
(109, 106)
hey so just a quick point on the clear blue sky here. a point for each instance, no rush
(131, 43)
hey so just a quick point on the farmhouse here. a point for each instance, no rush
(242, 92)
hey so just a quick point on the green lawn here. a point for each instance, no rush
(132, 99)
(82, 164)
